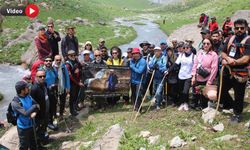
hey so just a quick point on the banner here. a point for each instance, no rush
(106, 81)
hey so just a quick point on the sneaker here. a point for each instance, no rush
(235, 119)
(185, 107)
(181, 107)
(52, 127)
(158, 108)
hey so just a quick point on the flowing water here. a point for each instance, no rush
(9, 75)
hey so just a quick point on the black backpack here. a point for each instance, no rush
(11, 116)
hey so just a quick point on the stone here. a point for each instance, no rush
(227, 137)
(194, 138)
(208, 115)
(111, 139)
(10, 139)
(161, 147)
(142, 148)
(219, 127)
(154, 139)
(144, 134)
(177, 142)
(202, 148)
(247, 125)
(67, 145)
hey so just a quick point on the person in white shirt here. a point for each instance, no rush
(185, 61)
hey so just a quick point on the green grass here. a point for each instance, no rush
(167, 123)
(179, 15)
(12, 55)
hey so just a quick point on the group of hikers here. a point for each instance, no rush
(167, 71)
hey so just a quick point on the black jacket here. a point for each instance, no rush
(53, 42)
(69, 43)
(39, 93)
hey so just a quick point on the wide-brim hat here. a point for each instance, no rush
(42, 27)
(157, 48)
(101, 40)
(189, 40)
(144, 43)
(70, 27)
(70, 52)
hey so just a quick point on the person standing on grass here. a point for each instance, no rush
(138, 68)
(164, 45)
(235, 54)
(63, 82)
(144, 45)
(190, 41)
(88, 46)
(98, 58)
(204, 72)
(185, 61)
(203, 21)
(205, 33)
(115, 60)
(39, 93)
(227, 26)
(69, 42)
(217, 43)
(74, 69)
(213, 25)
(149, 73)
(25, 108)
(128, 57)
(53, 38)
(159, 65)
(101, 43)
(42, 44)
(104, 52)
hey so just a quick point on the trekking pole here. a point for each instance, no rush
(137, 113)
(34, 131)
(220, 88)
(156, 93)
(137, 95)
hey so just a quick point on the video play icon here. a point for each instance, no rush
(31, 10)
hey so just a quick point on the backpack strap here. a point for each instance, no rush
(231, 40)
(243, 42)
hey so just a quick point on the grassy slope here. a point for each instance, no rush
(167, 123)
(179, 15)
(94, 11)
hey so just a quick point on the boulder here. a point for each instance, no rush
(10, 139)
(154, 139)
(227, 137)
(219, 127)
(144, 134)
(208, 115)
(177, 142)
(111, 139)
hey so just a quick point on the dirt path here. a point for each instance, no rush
(192, 31)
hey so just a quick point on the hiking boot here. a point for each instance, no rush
(52, 127)
(74, 113)
(235, 119)
(185, 107)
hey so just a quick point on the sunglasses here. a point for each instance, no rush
(58, 60)
(50, 26)
(114, 53)
(48, 60)
(72, 55)
(97, 55)
(41, 77)
(206, 43)
(239, 28)
(185, 47)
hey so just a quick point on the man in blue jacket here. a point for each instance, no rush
(51, 82)
(138, 68)
(63, 81)
(25, 109)
(158, 63)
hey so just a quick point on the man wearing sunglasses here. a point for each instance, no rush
(53, 38)
(51, 82)
(69, 42)
(74, 69)
(98, 58)
(39, 93)
(235, 54)
(63, 82)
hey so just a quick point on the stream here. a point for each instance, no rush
(9, 75)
